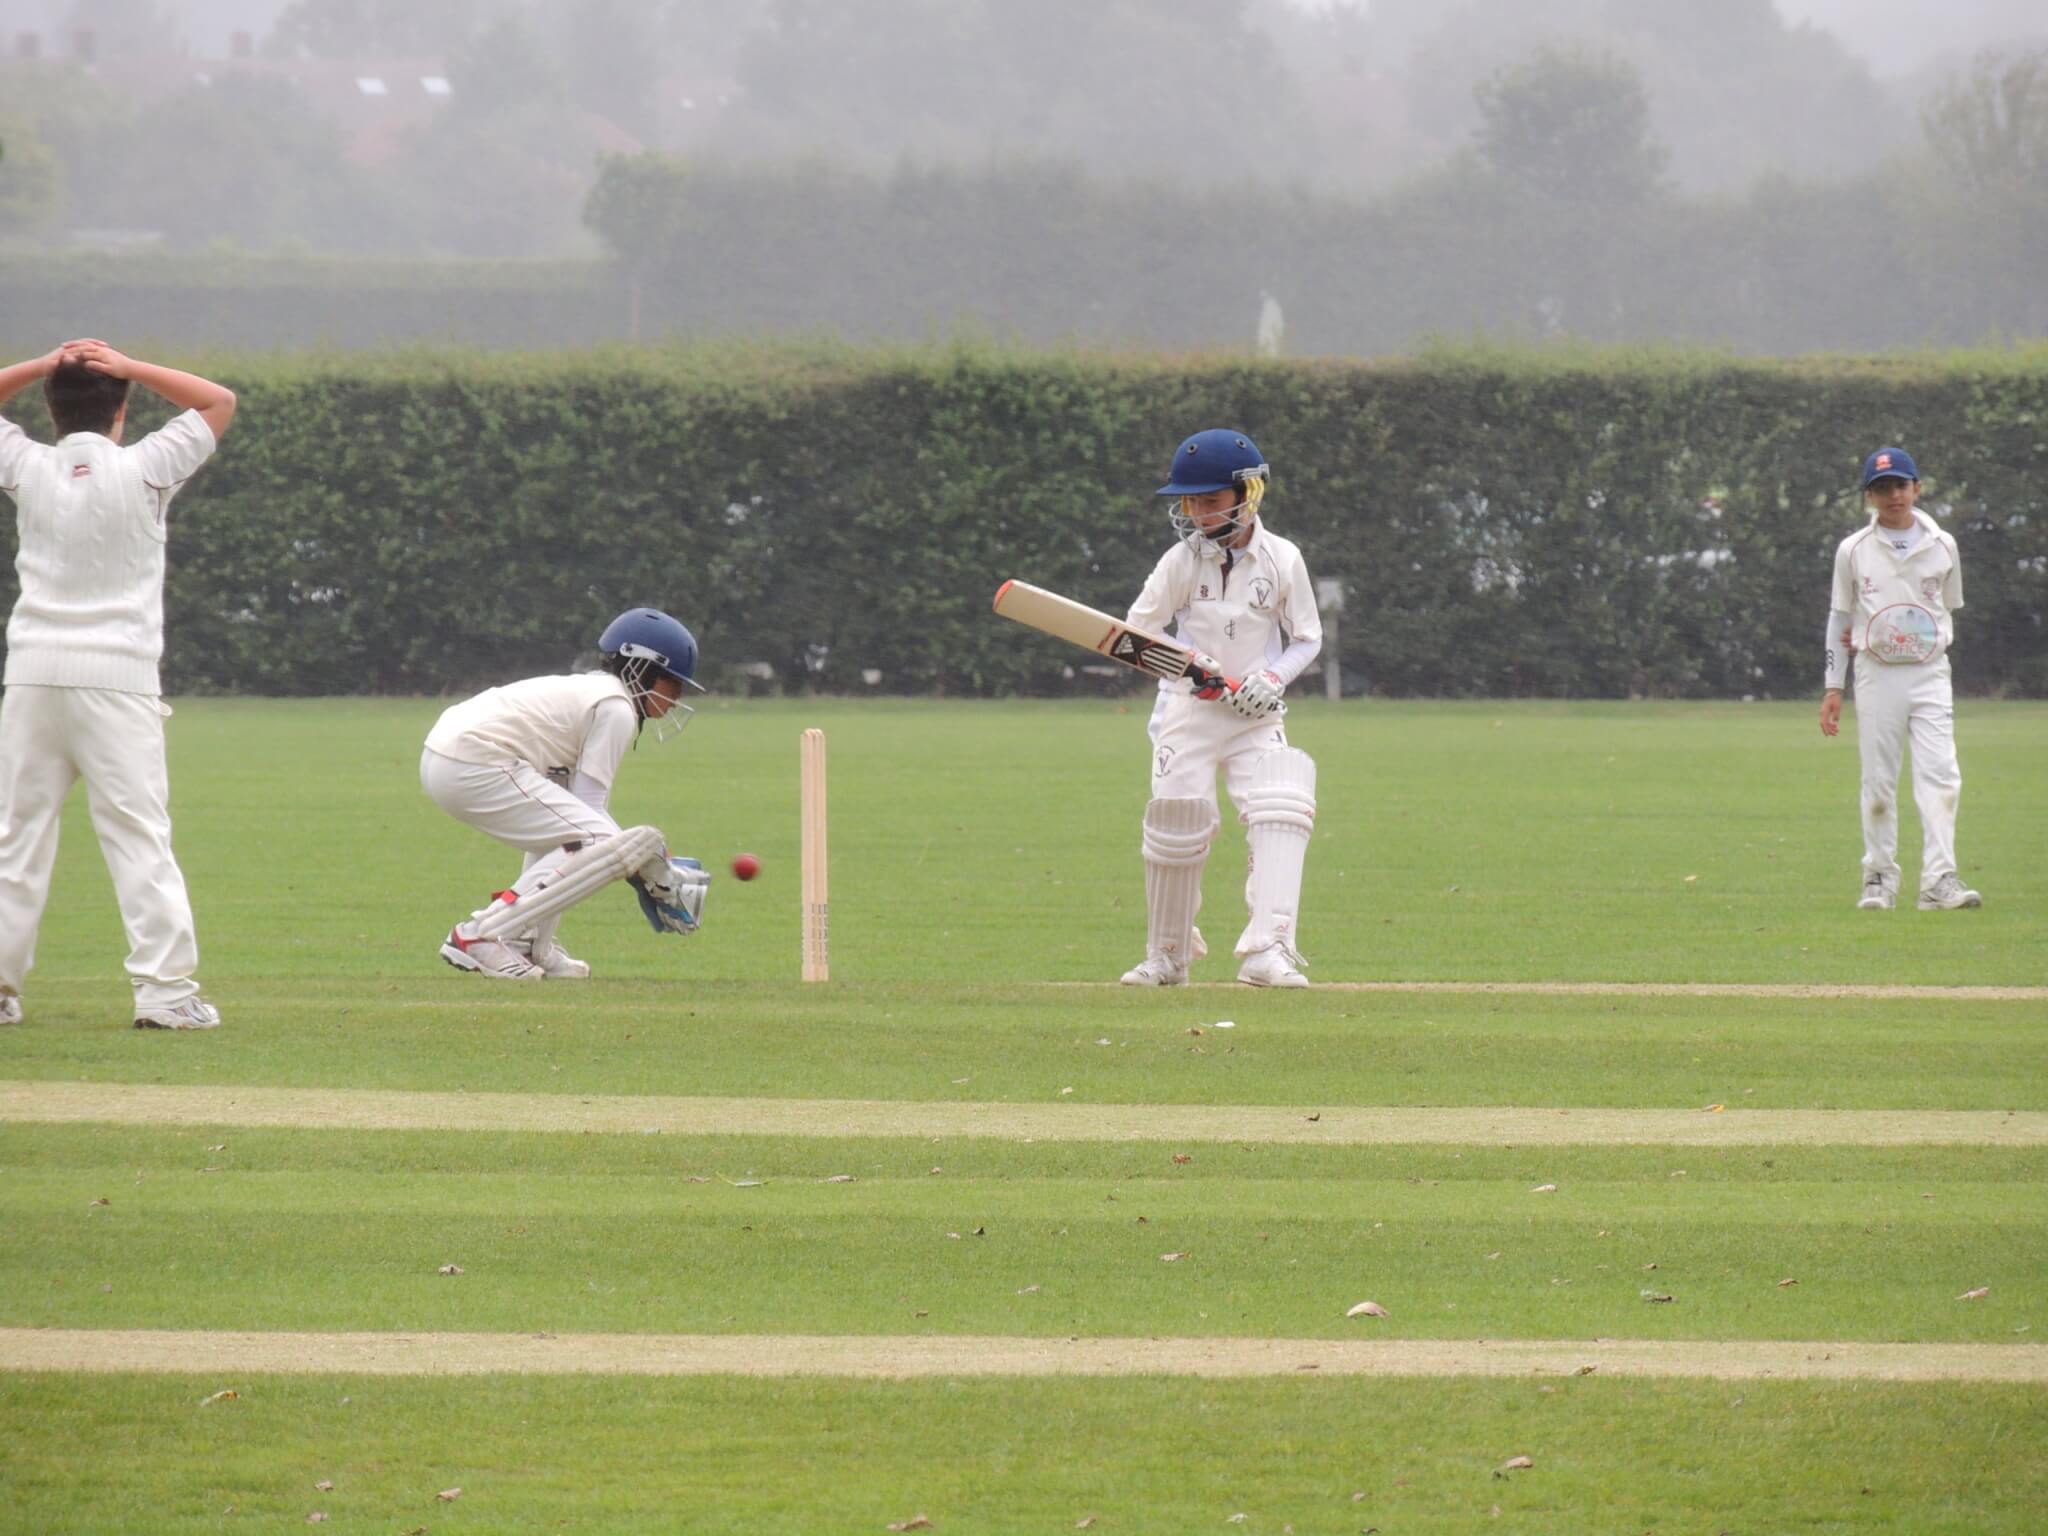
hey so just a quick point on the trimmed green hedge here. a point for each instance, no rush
(1592, 524)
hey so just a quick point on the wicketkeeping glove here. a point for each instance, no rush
(677, 906)
(1257, 697)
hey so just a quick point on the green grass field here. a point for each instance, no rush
(986, 885)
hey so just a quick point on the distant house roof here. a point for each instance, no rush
(373, 101)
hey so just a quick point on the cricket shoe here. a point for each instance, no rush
(1275, 966)
(1948, 893)
(192, 1013)
(10, 1009)
(1156, 971)
(557, 964)
(487, 957)
(1878, 895)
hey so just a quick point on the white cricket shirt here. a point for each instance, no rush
(1874, 582)
(1254, 611)
(91, 515)
(578, 724)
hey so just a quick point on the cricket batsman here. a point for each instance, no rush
(1897, 585)
(1239, 593)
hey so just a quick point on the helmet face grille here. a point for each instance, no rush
(637, 652)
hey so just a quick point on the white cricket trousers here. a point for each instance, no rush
(49, 739)
(519, 806)
(1893, 704)
(1192, 738)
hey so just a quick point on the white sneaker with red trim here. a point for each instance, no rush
(487, 957)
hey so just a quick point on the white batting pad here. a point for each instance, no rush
(1279, 814)
(554, 889)
(1177, 837)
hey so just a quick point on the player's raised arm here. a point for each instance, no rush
(215, 403)
(18, 376)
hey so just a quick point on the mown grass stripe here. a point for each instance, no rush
(905, 1357)
(382, 1109)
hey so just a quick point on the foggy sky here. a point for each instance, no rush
(1895, 37)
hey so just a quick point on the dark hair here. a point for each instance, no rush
(82, 400)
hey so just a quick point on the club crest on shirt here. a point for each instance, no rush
(1262, 592)
(1162, 759)
(1869, 586)
(1930, 587)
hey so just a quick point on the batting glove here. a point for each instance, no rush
(676, 906)
(1256, 697)
(1207, 676)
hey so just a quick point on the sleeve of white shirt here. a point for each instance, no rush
(1165, 594)
(1844, 598)
(1304, 623)
(15, 448)
(1952, 583)
(1836, 649)
(172, 454)
(612, 728)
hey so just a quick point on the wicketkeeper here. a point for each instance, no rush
(1897, 585)
(532, 764)
(1240, 593)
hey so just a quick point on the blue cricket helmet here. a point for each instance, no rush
(1215, 460)
(643, 642)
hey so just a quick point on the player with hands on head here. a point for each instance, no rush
(1897, 585)
(1240, 594)
(83, 695)
(532, 764)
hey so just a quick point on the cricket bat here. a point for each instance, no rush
(1098, 632)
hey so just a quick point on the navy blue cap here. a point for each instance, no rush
(1889, 464)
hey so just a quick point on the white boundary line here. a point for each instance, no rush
(1064, 1121)
(904, 1358)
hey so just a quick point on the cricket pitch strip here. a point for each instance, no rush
(901, 1358)
(1066, 1120)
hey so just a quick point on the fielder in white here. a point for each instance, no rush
(532, 764)
(1239, 593)
(83, 700)
(1897, 585)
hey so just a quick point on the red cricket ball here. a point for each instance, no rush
(745, 866)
